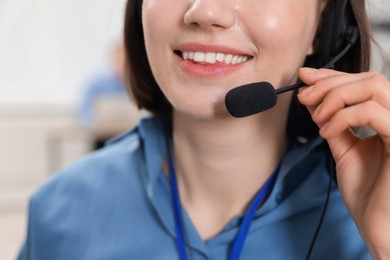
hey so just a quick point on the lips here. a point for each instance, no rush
(210, 60)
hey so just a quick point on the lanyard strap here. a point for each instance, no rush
(239, 241)
(177, 211)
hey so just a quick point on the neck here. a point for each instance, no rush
(222, 164)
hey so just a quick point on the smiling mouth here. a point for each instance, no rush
(212, 57)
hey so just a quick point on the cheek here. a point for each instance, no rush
(157, 34)
(284, 34)
(286, 27)
(152, 26)
(160, 23)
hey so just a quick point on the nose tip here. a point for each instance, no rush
(210, 14)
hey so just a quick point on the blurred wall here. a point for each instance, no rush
(49, 48)
(379, 12)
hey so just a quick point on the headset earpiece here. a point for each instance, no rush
(339, 27)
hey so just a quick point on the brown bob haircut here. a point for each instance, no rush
(147, 94)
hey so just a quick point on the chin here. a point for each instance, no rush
(201, 111)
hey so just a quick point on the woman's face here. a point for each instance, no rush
(200, 49)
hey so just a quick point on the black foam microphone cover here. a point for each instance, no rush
(257, 98)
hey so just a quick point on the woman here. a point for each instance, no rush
(194, 182)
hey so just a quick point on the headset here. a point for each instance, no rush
(339, 30)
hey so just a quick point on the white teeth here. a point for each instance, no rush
(234, 60)
(220, 57)
(212, 57)
(199, 56)
(228, 58)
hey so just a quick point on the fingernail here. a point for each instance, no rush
(306, 91)
(308, 70)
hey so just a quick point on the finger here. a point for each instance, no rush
(311, 75)
(341, 144)
(375, 88)
(314, 94)
(368, 113)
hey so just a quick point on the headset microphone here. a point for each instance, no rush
(253, 98)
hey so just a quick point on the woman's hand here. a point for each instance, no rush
(339, 101)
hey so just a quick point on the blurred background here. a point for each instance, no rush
(62, 95)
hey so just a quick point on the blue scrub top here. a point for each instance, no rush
(116, 204)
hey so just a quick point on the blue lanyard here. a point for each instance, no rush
(239, 241)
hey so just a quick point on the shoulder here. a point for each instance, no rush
(95, 201)
(99, 167)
